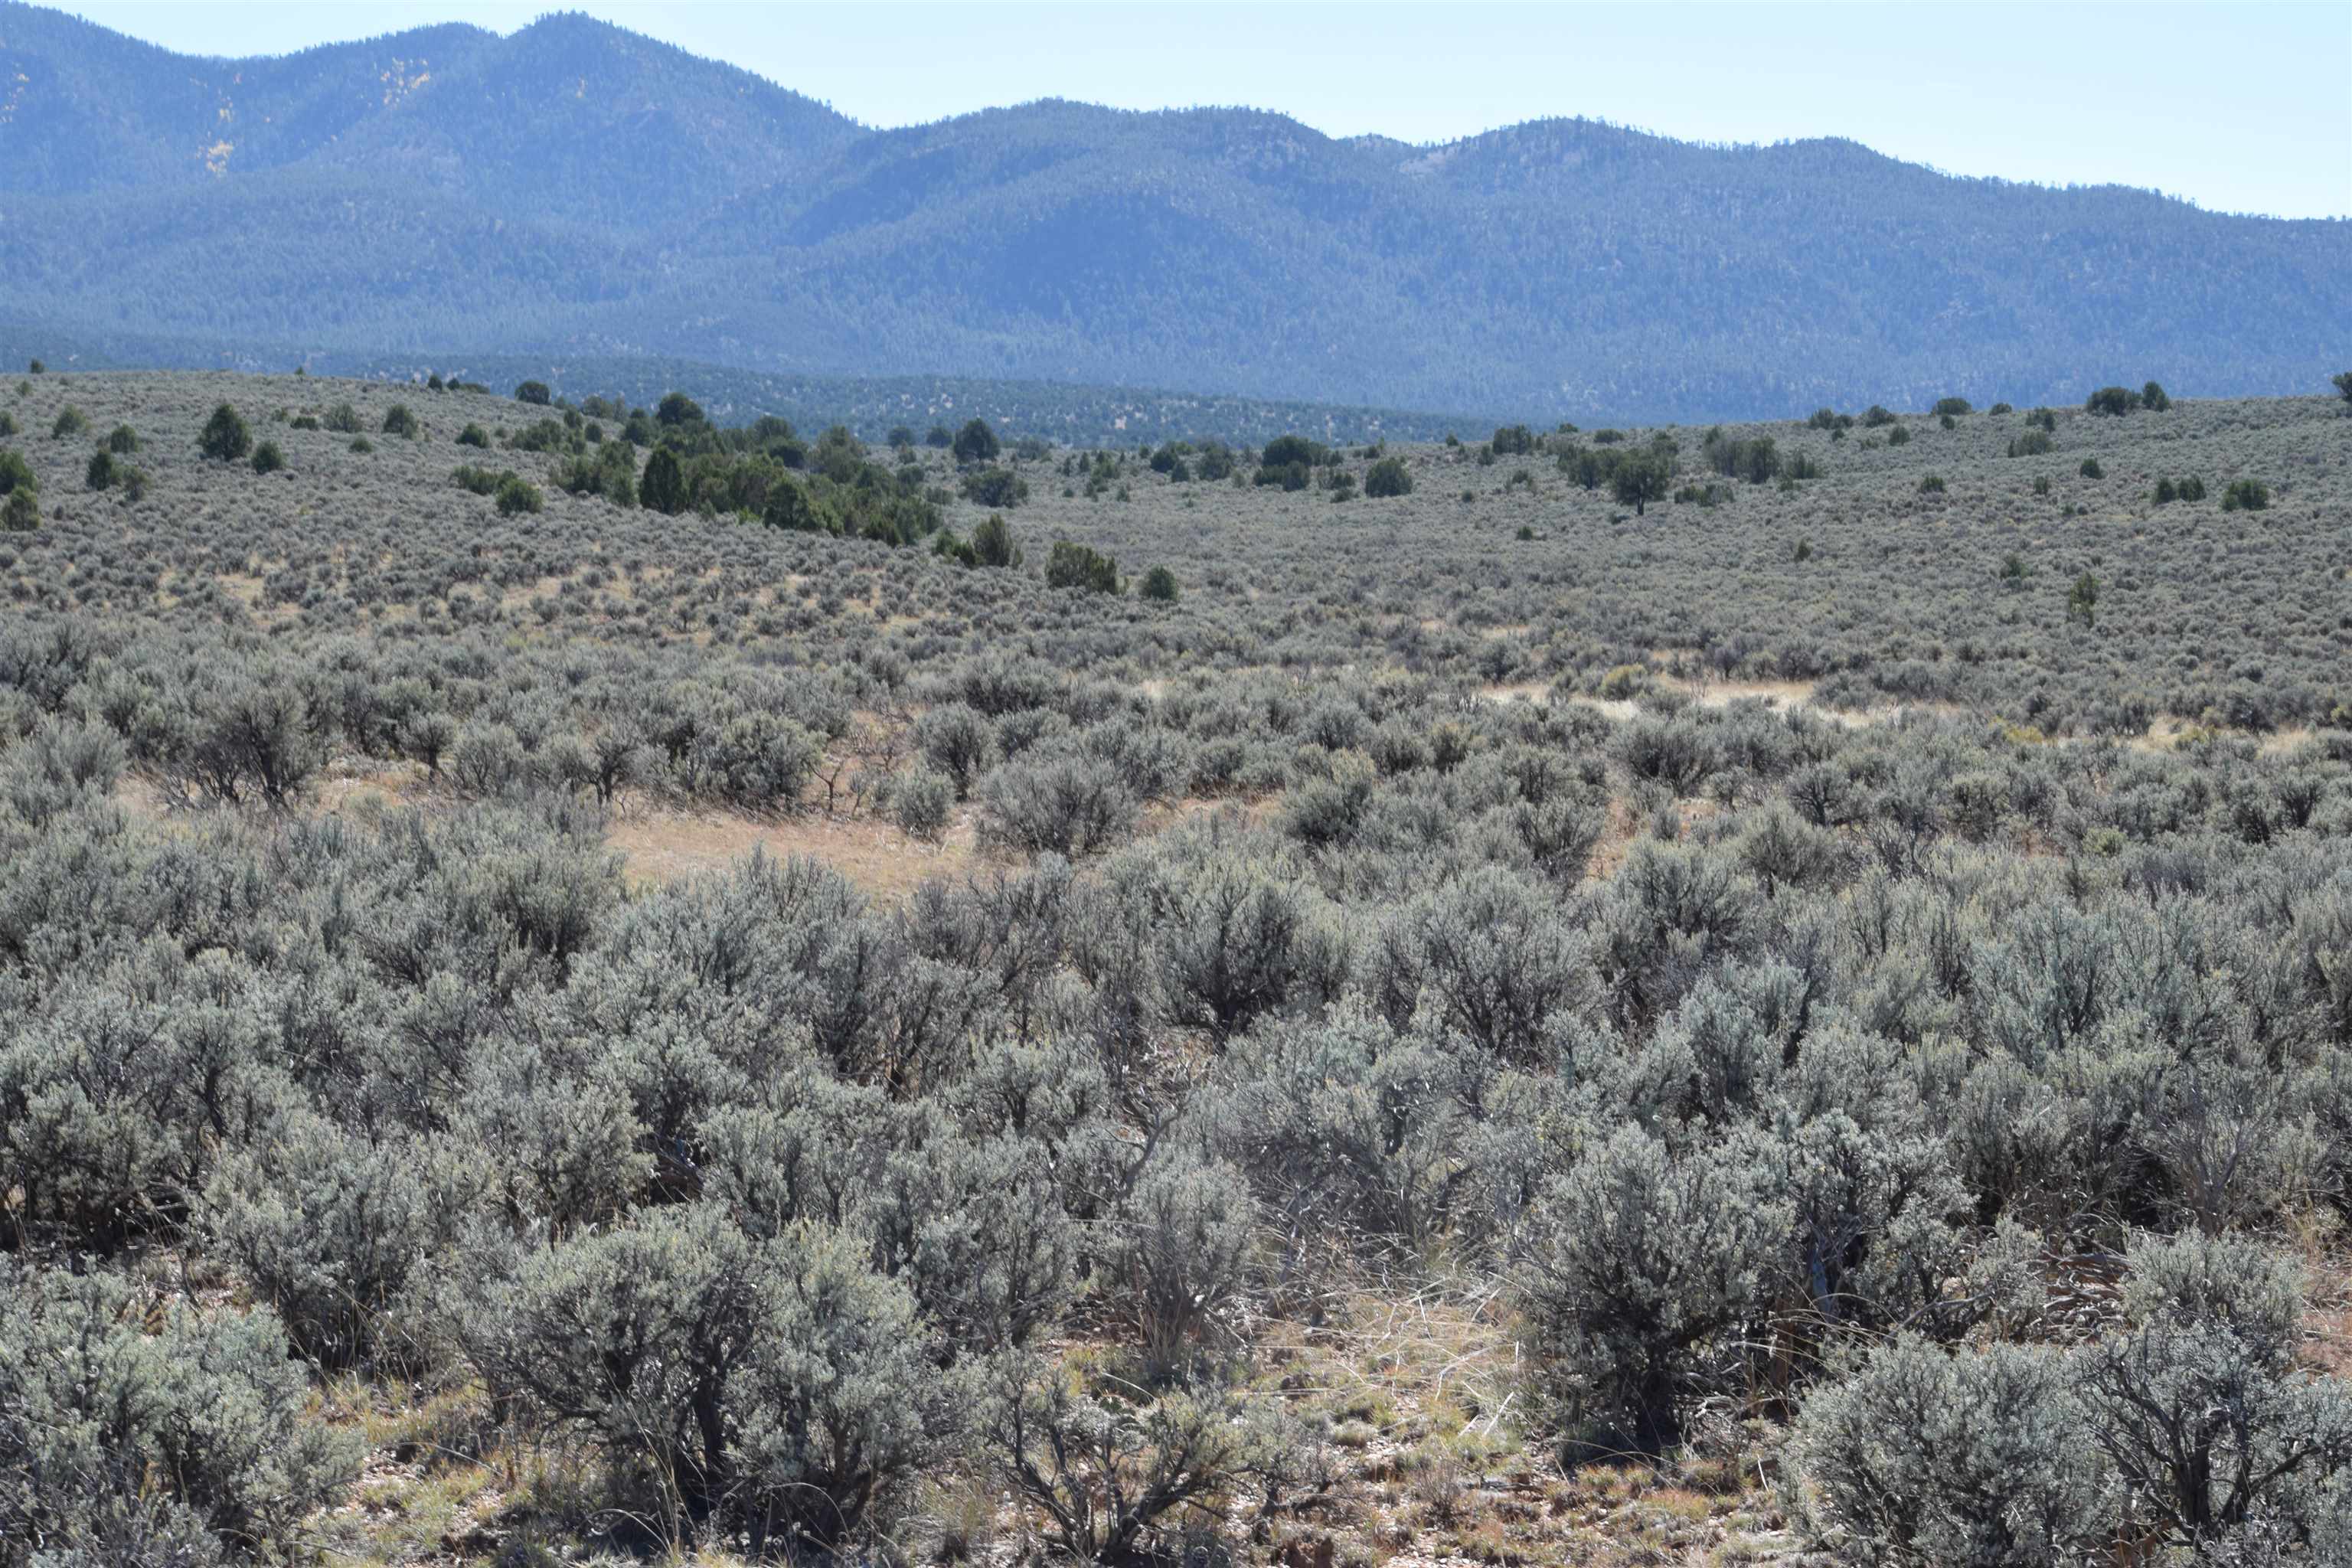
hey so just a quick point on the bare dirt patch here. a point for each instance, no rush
(886, 864)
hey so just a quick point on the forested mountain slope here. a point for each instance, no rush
(575, 189)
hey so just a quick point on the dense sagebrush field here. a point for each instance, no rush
(1807, 1022)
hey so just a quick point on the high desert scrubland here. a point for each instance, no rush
(577, 985)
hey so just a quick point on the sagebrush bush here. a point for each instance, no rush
(756, 759)
(1646, 1266)
(1065, 804)
(329, 1230)
(778, 1383)
(923, 802)
(187, 1444)
(1971, 1459)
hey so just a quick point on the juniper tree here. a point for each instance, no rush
(225, 438)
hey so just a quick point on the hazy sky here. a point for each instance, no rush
(2240, 107)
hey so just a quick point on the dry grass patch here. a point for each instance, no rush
(886, 864)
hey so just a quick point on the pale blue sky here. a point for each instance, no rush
(2239, 107)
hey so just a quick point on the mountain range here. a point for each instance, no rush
(574, 193)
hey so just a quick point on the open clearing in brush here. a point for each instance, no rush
(1797, 1015)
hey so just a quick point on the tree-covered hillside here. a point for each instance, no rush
(577, 190)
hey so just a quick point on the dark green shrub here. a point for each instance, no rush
(2246, 495)
(516, 495)
(100, 472)
(976, 443)
(662, 486)
(2091, 470)
(71, 421)
(1387, 478)
(1638, 481)
(1159, 586)
(2032, 444)
(122, 440)
(399, 421)
(2114, 400)
(2082, 599)
(1952, 407)
(611, 471)
(995, 487)
(937, 435)
(1755, 461)
(1071, 565)
(1284, 451)
(474, 436)
(1931, 484)
(2152, 398)
(1899, 436)
(542, 436)
(1513, 441)
(344, 419)
(21, 512)
(535, 393)
(992, 543)
(225, 438)
(676, 410)
(268, 458)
